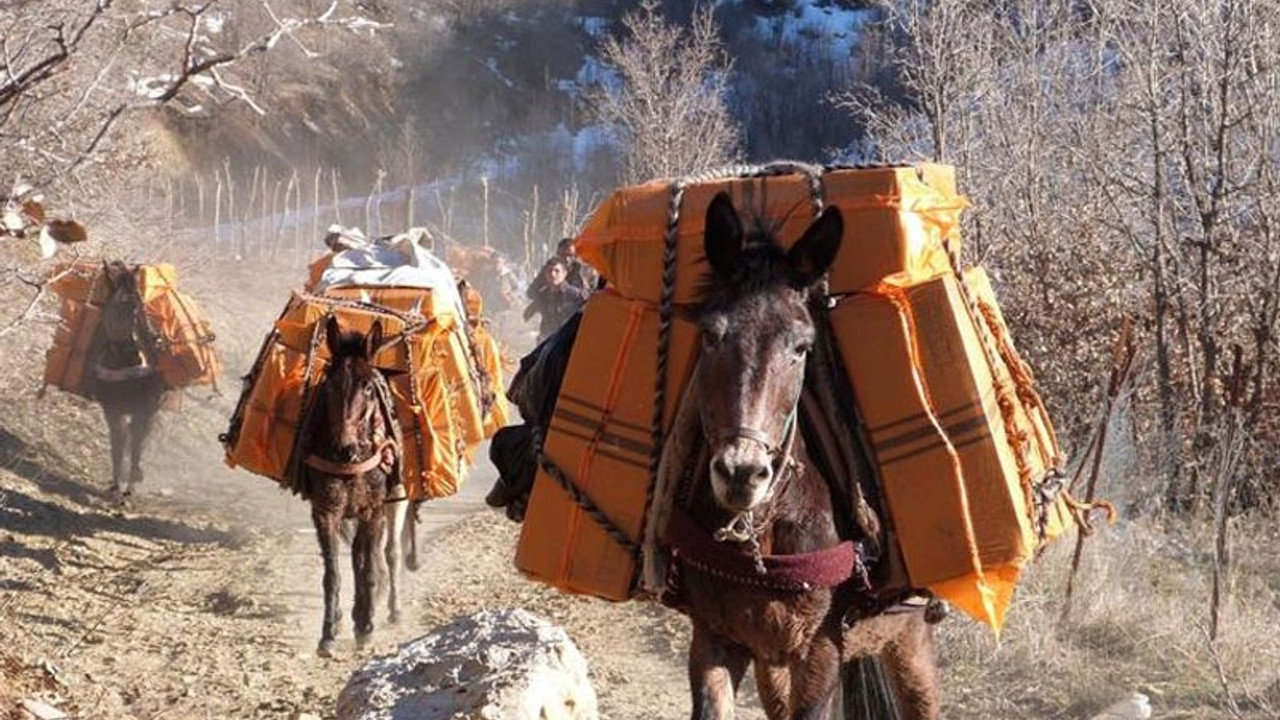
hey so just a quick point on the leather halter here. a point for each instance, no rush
(748, 433)
(352, 469)
(779, 451)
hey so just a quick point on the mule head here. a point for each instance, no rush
(349, 393)
(122, 311)
(756, 335)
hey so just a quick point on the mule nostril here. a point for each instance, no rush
(721, 468)
(750, 474)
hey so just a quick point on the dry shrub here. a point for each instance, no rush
(1139, 623)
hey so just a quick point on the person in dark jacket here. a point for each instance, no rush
(553, 297)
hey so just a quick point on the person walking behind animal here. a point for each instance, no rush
(553, 297)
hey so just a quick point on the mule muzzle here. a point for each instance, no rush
(742, 475)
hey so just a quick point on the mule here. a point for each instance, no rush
(761, 549)
(350, 475)
(122, 376)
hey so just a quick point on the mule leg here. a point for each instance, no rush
(913, 670)
(140, 425)
(773, 684)
(328, 533)
(117, 433)
(397, 508)
(814, 679)
(715, 671)
(363, 566)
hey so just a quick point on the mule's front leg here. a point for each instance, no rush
(140, 425)
(118, 434)
(369, 534)
(715, 670)
(814, 680)
(328, 525)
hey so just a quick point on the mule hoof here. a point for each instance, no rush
(394, 618)
(327, 649)
(362, 640)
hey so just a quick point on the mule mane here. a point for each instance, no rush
(762, 269)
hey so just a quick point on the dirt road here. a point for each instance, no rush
(203, 599)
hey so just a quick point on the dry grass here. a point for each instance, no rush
(1139, 623)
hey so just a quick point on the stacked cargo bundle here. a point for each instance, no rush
(440, 394)
(962, 445)
(178, 340)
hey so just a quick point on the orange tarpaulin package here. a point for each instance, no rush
(600, 437)
(180, 343)
(451, 348)
(958, 453)
(895, 220)
(426, 373)
(489, 355)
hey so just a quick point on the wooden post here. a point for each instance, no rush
(199, 200)
(484, 182)
(296, 182)
(337, 201)
(217, 216)
(315, 207)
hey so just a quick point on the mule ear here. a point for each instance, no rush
(813, 253)
(373, 340)
(332, 336)
(724, 236)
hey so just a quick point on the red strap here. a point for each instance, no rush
(825, 568)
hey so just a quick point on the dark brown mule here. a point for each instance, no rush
(757, 331)
(122, 376)
(350, 472)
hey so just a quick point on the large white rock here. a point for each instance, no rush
(493, 665)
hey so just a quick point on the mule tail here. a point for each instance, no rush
(865, 693)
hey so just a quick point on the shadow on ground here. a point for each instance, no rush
(35, 516)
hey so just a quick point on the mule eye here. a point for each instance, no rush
(802, 349)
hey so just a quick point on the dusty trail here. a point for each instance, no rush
(203, 599)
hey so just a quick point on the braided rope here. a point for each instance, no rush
(579, 497)
(666, 307)
(1039, 494)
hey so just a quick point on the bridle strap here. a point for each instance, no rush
(749, 433)
(775, 450)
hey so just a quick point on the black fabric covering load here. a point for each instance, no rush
(533, 391)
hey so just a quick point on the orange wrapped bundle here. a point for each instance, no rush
(895, 219)
(956, 431)
(429, 374)
(182, 347)
(957, 450)
(600, 437)
(489, 357)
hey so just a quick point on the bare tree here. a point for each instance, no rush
(74, 76)
(1122, 160)
(668, 104)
